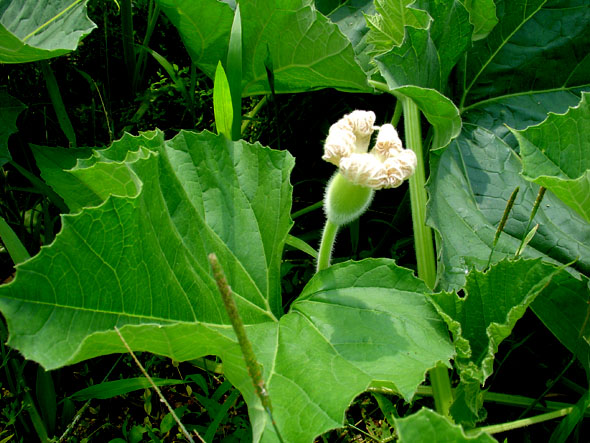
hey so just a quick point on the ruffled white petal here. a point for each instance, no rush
(386, 166)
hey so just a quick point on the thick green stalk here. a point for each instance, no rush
(423, 241)
(425, 258)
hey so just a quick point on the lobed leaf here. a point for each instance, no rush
(419, 67)
(311, 52)
(556, 155)
(30, 33)
(526, 67)
(482, 15)
(386, 27)
(481, 318)
(136, 259)
(470, 184)
(427, 425)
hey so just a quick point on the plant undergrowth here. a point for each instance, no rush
(140, 136)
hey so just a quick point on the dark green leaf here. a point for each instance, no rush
(311, 52)
(567, 425)
(482, 15)
(484, 316)
(29, 32)
(470, 184)
(527, 66)
(556, 155)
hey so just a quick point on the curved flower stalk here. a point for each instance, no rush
(360, 171)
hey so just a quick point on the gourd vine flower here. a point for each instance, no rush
(387, 165)
(360, 171)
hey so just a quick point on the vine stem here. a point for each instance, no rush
(423, 241)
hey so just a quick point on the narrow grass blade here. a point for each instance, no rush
(531, 233)
(58, 104)
(567, 425)
(234, 73)
(301, 245)
(153, 385)
(127, 38)
(526, 240)
(221, 414)
(222, 103)
(177, 80)
(18, 252)
(46, 399)
(112, 389)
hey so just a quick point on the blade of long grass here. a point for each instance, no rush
(153, 14)
(567, 425)
(297, 243)
(42, 187)
(46, 399)
(93, 84)
(58, 105)
(270, 76)
(129, 56)
(110, 389)
(222, 103)
(160, 395)
(18, 252)
(234, 73)
(177, 80)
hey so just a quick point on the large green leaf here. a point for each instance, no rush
(471, 182)
(427, 425)
(419, 67)
(563, 307)
(470, 185)
(483, 317)
(482, 15)
(10, 108)
(386, 27)
(351, 20)
(136, 260)
(30, 31)
(556, 155)
(533, 62)
(426, 56)
(308, 51)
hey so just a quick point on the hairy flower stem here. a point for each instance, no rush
(423, 241)
(344, 202)
(326, 245)
(254, 369)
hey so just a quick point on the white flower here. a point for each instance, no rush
(387, 165)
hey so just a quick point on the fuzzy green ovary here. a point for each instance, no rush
(345, 201)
